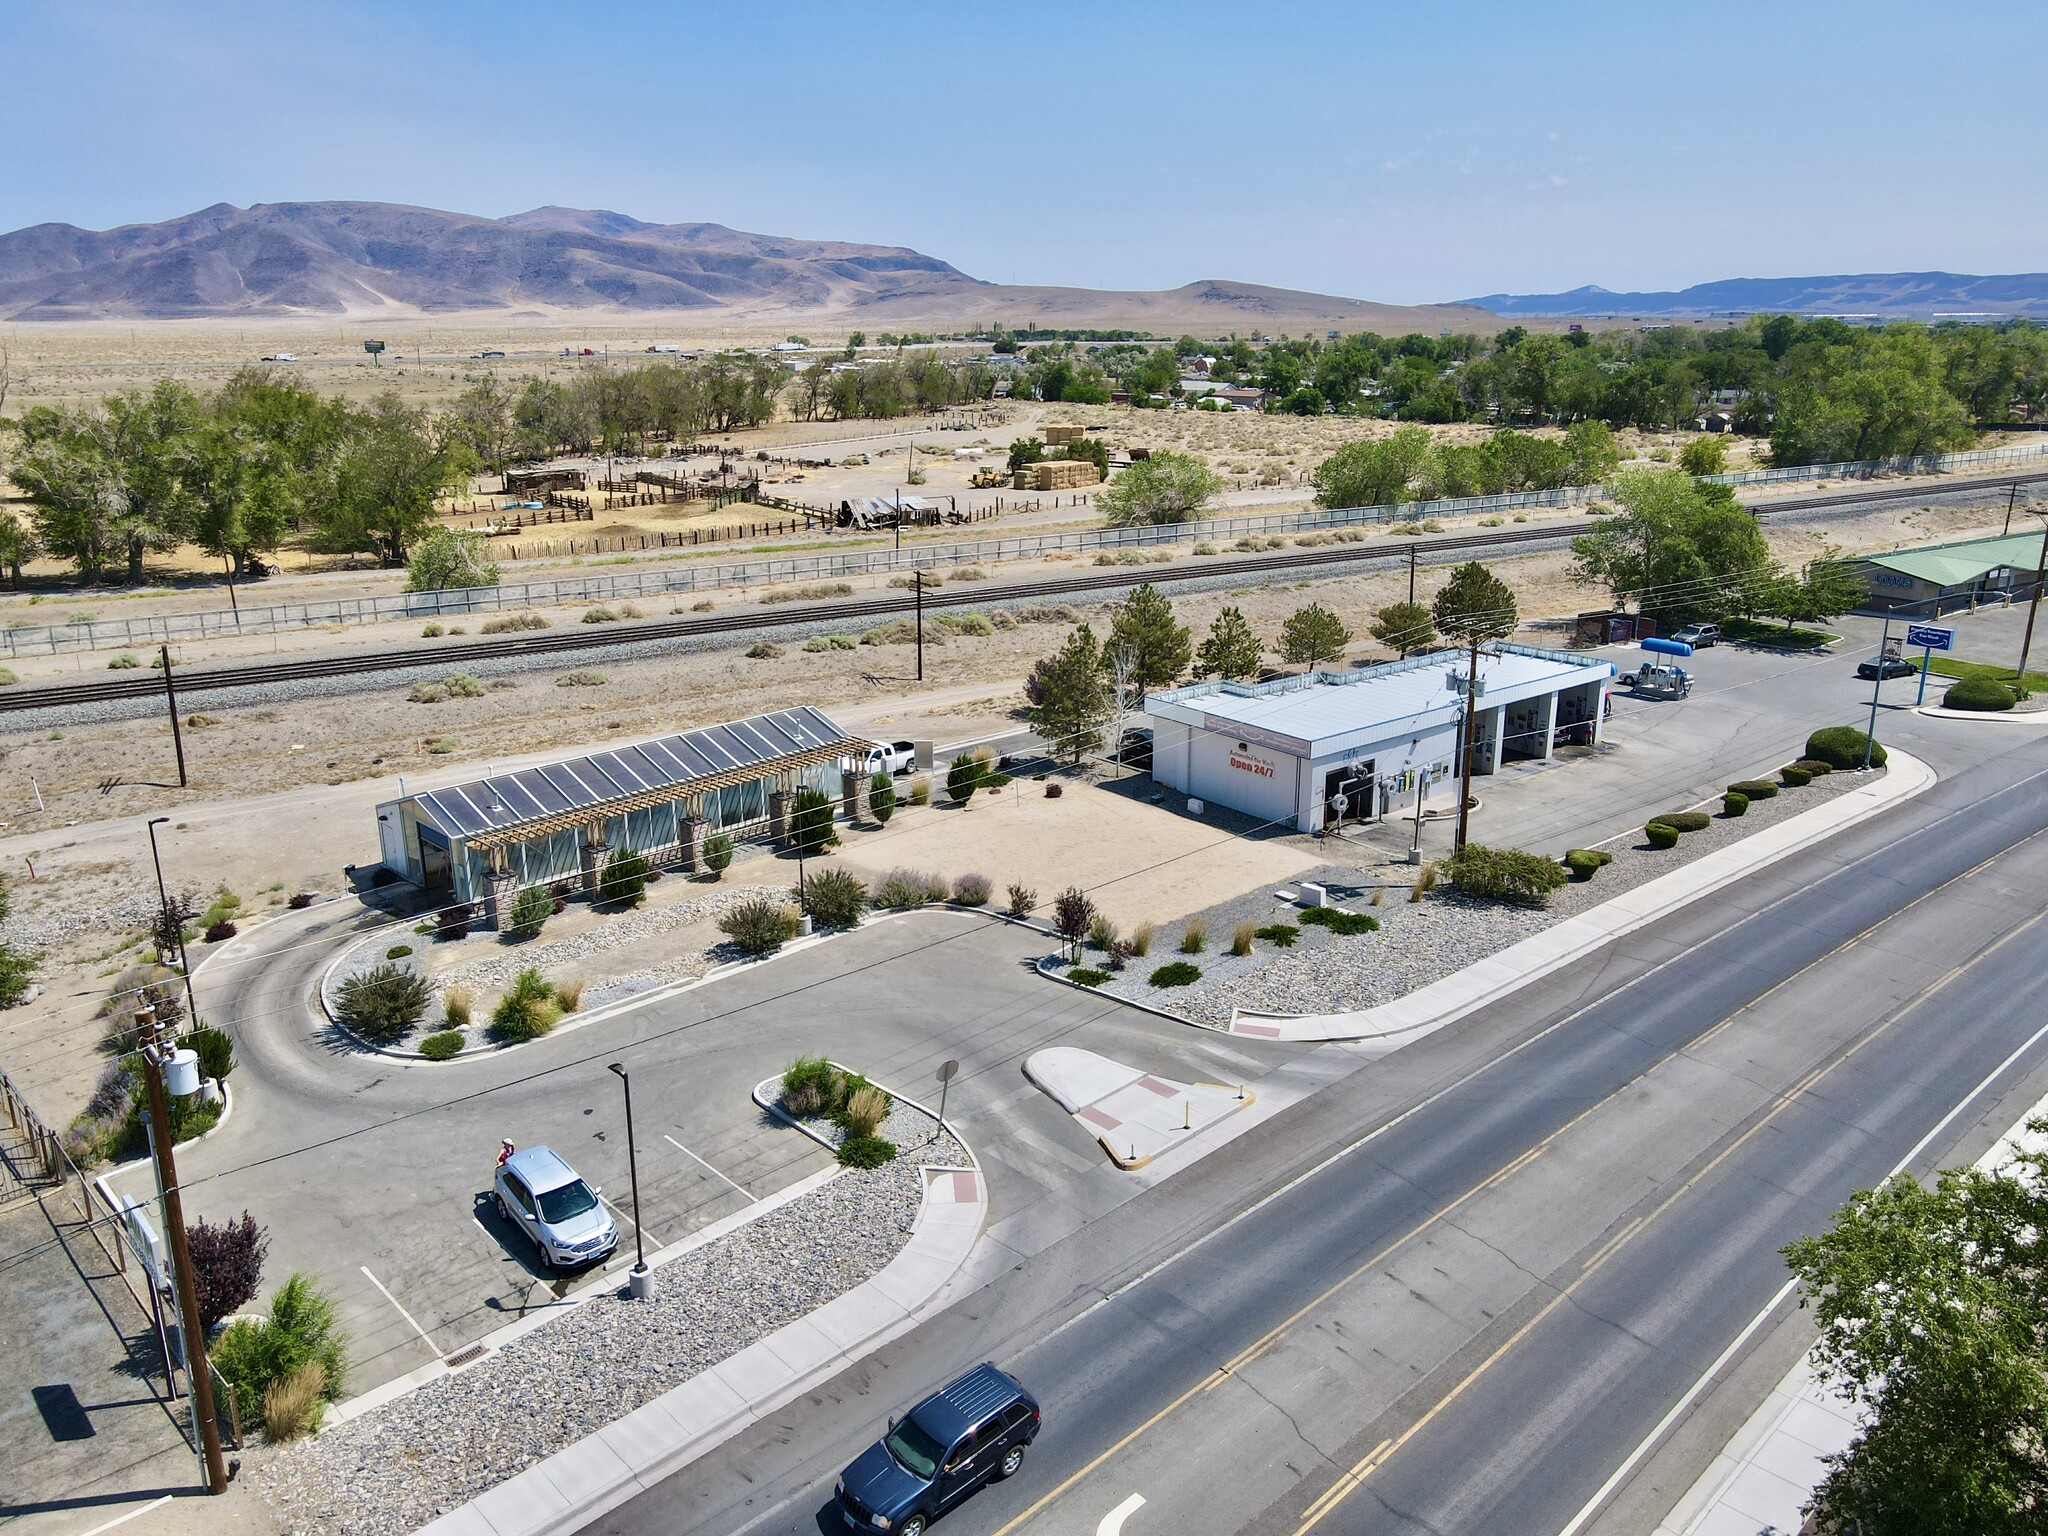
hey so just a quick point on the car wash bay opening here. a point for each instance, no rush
(1285, 751)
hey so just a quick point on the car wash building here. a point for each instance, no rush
(1360, 745)
(485, 840)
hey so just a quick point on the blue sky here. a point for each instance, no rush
(1402, 152)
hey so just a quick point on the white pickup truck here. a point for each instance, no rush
(892, 757)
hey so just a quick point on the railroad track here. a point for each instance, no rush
(891, 605)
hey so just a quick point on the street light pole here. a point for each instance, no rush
(164, 906)
(1884, 646)
(640, 1281)
(2034, 607)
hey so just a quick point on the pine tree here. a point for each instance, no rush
(1313, 634)
(1145, 627)
(1476, 606)
(1076, 702)
(1231, 650)
(1404, 627)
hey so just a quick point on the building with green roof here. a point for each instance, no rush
(1933, 579)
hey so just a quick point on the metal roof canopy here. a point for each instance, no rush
(1951, 565)
(532, 802)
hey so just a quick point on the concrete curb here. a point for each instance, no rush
(1494, 977)
(633, 1454)
(1986, 716)
(1051, 967)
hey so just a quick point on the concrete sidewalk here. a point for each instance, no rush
(1393, 1025)
(1760, 1484)
(633, 1454)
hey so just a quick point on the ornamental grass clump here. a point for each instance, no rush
(528, 1010)
(382, 1003)
(759, 926)
(1242, 935)
(972, 890)
(864, 1111)
(1194, 938)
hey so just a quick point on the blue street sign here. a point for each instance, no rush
(1930, 637)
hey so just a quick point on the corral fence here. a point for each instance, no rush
(96, 634)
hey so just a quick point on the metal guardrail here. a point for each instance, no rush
(682, 580)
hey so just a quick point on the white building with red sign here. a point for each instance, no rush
(1360, 744)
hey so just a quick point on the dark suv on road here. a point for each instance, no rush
(968, 1433)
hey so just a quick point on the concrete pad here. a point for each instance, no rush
(702, 1403)
(755, 1373)
(1135, 1115)
(585, 1472)
(856, 1317)
(645, 1438)
(910, 1278)
(520, 1506)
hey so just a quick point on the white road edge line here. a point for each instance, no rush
(693, 1157)
(1649, 1442)
(416, 1328)
(1112, 1524)
(124, 1519)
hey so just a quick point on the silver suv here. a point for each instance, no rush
(547, 1200)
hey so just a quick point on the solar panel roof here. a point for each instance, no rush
(529, 794)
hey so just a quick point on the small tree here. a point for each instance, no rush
(1072, 915)
(1166, 488)
(882, 798)
(1025, 450)
(964, 777)
(717, 853)
(227, 1266)
(810, 824)
(1230, 650)
(449, 558)
(1474, 607)
(531, 908)
(1704, 456)
(624, 881)
(1075, 701)
(1405, 627)
(1312, 634)
(1372, 474)
(1143, 625)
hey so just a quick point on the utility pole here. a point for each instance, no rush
(917, 586)
(199, 1376)
(2010, 497)
(1465, 767)
(1884, 646)
(171, 693)
(2034, 607)
(1411, 577)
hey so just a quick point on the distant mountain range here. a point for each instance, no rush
(365, 260)
(1919, 294)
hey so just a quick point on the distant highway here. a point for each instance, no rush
(895, 603)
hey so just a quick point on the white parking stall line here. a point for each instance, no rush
(756, 1199)
(416, 1328)
(628, 1220)
(1112, 1524)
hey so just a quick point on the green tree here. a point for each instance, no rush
(112, 479)
(1230, 650)
(381, 496)
(1825, 589)
(449, 558)
(810, 823)
(1594, 454)
(1405, 627)
(964, 776)
(1025, 450)
(1372, 473)
(1473, 607)
(1933, 1317)
(18, 546)
(1074, 702)
(1166, 488)
(1143, 625)
(882, 797)
(1704, 456)
(1875, 396)
(1682, 549)
(1312, 634)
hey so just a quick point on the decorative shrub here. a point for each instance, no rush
(300, 1330)
(1053, 791)
(718, 853)
(810, 824)
(382, 1003)
(1072, 915)
(1814, 766)
(222, 931)
(452, 921)
(300, 900)
(972, 890)
(1179, 973)
(456, 1003)
(881, 798)
(1660, 835)
(442, 1044)
(528, 1009)
(1088, 976)
(834, 897)
(865, 1109)
(1241, 937)
(759, 926)
(1842, 746)
(1281, 935)
(811, 1086)
(965, 776)
(216, 1051)
(1733, 804)
(1753, 789)
(1350, 924)
(1101, 932)
(398, 952)
(1194, 938)
(1022, 900)
(227, 1266)
(1796, 777)
(531, 908)
(865, 1152)
(1505, 874)
(624, 881)
(901, 889)
(1581, 863)
(1980, 693)
(1686, 821)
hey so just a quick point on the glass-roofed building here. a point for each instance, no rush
(483, 841)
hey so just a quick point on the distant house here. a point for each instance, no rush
(1241, 398)
(1194, 388)
(1715, 421)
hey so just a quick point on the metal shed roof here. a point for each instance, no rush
(1953, 565)
(580, 789)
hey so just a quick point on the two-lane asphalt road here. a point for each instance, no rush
(1465, 1282)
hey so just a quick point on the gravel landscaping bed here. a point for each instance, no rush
(1418, 942)
(402, 1466)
